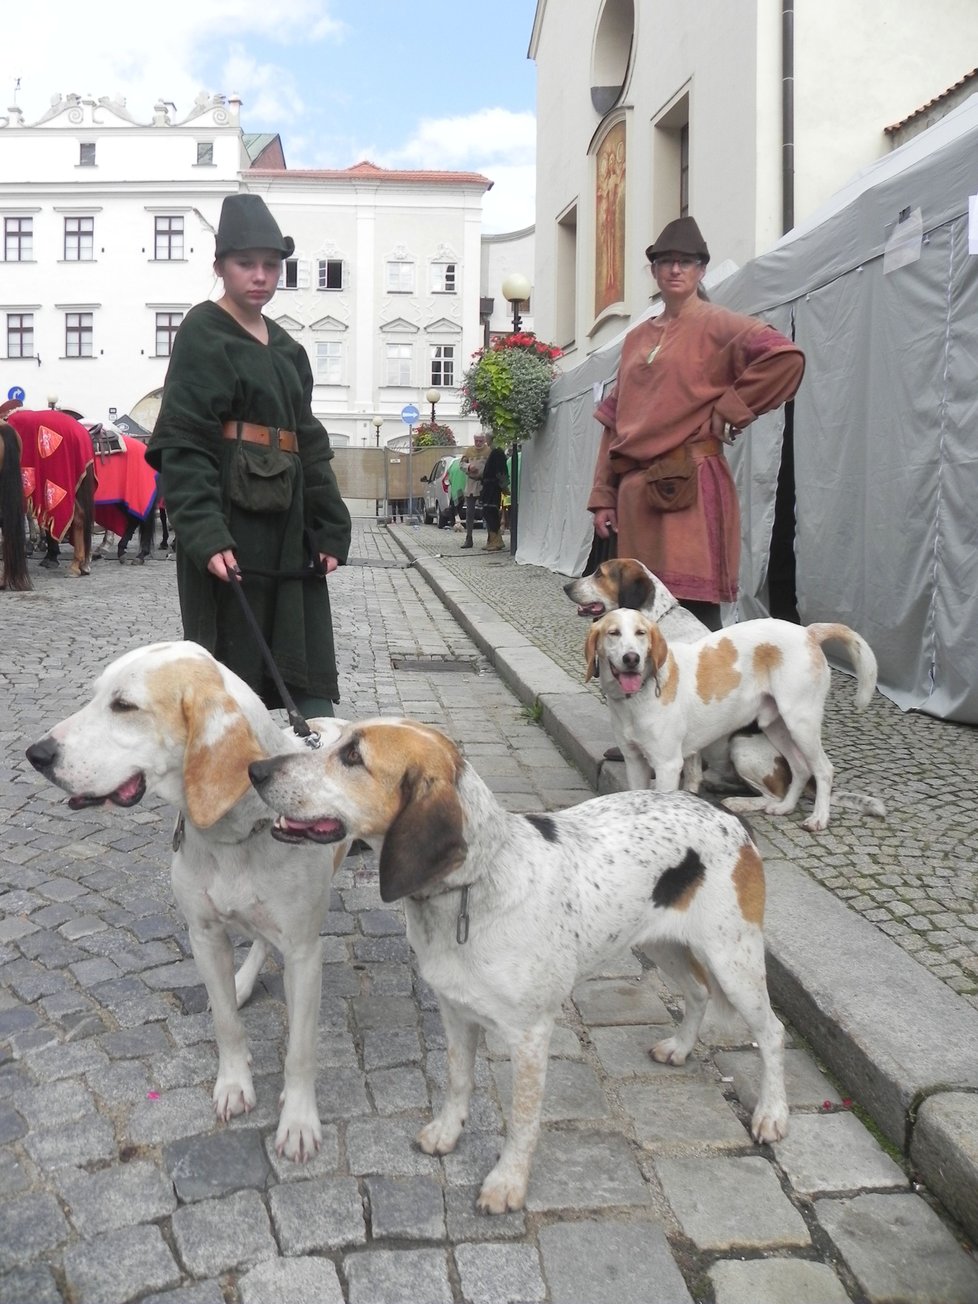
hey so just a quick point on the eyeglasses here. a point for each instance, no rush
(670, 260)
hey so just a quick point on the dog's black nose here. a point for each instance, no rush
(43, 755)
(630, 660)
(260, 772)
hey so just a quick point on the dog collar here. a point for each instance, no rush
(462, 918)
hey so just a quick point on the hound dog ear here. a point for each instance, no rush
(220, 747)
(591, 651)
(634, 587)
(425, 841)
(658, 647)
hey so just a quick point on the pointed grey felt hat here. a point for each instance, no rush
(246, 223)
(682, 236)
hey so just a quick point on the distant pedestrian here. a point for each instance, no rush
(495, 482)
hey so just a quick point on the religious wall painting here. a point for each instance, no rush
(609, 224)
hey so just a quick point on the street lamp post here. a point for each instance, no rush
(52, 401)
(516, 291)
(432, 397)
(377, 422)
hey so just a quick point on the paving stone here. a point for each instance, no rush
(671, 1112)
(201, 1292)
(116, 1197)
(32, 1225)
(399, 1089)
(805, 1085)
(724, 1204)
(202, 1167)
(56, 1104)
(610, 1262)
(490, 1273)
(834, 1152)
(214, 1236)
(411, 1208)
(898, 1249)
(85, 1141)
(398, 1276)
(383, 1050)
(33, 1285)
(320, 1165)
(386, 1146)
(624, 1052)
(341, 1093)
(776, 1281)
(318, 1215)
(572, 1091)
(584, 1170)
(467, 1223)
(291, 1281)
(620, 1001)
(119, 1265)
(186, 1111)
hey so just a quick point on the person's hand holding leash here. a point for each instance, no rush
(605, 522)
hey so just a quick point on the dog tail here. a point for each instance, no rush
(861, 802)
(860, 654)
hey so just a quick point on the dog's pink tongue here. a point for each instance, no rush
(629, 683)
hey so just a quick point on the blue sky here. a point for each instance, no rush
(405, 83)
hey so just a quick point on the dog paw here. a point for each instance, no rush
(813, 825)
(439, 1137)
(502, 1191)
(669, 1052)
(298, 1138)
(233, 1096)
(769, 1124)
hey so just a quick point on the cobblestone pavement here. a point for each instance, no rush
(912, 875)
(116, 1185)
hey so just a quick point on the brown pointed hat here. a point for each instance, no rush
(681, 236)
(246, 223)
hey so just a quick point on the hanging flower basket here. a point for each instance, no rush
(432, 434)
(508, 384)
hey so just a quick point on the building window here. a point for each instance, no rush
(205, 151)
(443, 278)
(20, 335)
(86, 153)
(399, 358)
(289, 279)
(78, 335)
(684, 170)
(169, 239)
(79, 239)
(443, 366)
(166, 329)
(18, 239)
(329, 362)
(330, 274)
(400, 277)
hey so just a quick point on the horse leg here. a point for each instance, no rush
(13, 552)
(164, 526)
(146, 530)
(81, 527)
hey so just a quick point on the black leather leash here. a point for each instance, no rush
(297, 720)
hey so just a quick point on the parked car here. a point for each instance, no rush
(437, 496)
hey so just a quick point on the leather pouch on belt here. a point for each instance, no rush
(670, 481)
(261, 479)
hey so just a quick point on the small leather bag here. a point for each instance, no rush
(671, 480)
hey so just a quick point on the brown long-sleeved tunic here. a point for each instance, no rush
(673, 375)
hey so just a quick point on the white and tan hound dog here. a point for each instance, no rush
(171, 721)
(507, 912)
(670, 700)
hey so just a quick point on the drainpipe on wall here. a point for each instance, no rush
(787, 115)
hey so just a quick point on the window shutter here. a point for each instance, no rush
(303, 274)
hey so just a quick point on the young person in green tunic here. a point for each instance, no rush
(246, 475)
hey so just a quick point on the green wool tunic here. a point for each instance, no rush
(273, 508)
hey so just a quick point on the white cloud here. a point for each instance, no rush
(116, 48)
(495, 134)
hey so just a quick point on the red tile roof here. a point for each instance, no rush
(968, 77)
(365, 170)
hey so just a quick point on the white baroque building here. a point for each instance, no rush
(747, 115)
(108, 240)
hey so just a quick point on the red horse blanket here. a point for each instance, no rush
(126, 484)
(55, 452)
